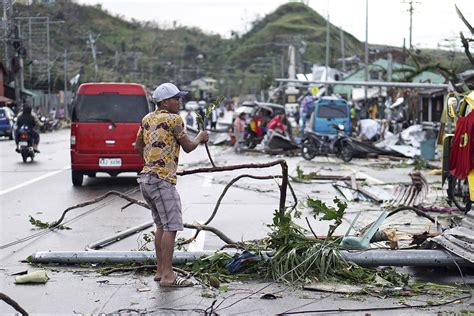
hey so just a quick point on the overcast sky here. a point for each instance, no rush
(434, 21)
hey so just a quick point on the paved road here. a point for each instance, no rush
(43, 189)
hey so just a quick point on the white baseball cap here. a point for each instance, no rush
(167, 90)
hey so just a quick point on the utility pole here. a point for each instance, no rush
(342, 51)
(411, 23)
(92, 41)
(65, 84)
(7, 13)
(411, 10)
(116, 66)
(30, 66)
(366, 70)
(48, 104)
(326, 88)
(327, 45)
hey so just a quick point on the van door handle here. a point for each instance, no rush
(110, 142)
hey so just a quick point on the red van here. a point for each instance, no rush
(105, 121)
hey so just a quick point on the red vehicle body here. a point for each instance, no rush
(105, 121)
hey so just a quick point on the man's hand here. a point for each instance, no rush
(203, 136)
(189, 144)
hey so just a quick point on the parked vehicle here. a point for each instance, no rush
(105, 121)
(25, 142)
(460, 187)
(458, 193)
(329, 111)
(6, 122)
(261, 114)
(315, 144)
(47, 124)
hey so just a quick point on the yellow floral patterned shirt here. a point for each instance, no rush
(160, 131)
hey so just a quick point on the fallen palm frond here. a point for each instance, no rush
(300, 260)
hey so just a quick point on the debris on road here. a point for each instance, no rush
(33, 277)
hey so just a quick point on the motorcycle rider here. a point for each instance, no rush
(29, 119)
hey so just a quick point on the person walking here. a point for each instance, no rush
(189, 119)
(239, 132)
(214, 116)
(305, 111)
(161, 135)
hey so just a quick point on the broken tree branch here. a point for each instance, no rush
(217, 232)
(7, 299)
(281, 162)
(411, 208)
(98, 199)
(219, 200)
(149, 266)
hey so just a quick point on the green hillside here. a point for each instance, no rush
(294, 24)
(144, 52)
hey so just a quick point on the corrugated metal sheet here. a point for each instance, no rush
(459, 240)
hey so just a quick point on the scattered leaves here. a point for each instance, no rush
(44, 225)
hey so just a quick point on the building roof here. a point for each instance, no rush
(398, 74)
(428, 76)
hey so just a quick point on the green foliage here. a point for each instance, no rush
(284, 232)
(147, 239)
(207, 112)
(44, 225)
(300, 175)
(420, 164)
(329, 213)
(211, 270)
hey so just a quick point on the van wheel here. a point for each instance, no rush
(77, 178)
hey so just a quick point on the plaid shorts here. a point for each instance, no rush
(164, 202)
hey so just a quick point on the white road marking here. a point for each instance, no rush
(375, 180)
(24, 184)
(207, 182)
(198, 243)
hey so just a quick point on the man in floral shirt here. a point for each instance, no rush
(159, 139)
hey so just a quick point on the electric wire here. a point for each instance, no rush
(49, 230)
(339, 310)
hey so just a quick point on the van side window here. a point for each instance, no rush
(110, 107)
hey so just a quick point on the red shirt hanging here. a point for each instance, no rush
(461, 160)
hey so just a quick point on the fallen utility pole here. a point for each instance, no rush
(368, 258)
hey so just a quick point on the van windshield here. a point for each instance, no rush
(110, 107)
(332, 111)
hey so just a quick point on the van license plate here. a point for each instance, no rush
(23, 144)
(110, 162)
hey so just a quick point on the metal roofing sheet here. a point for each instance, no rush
(460, 239)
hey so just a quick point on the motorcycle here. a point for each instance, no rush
(315, 144)
(256, 129)
(460, 191)
(47, 124)
(25, 143)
